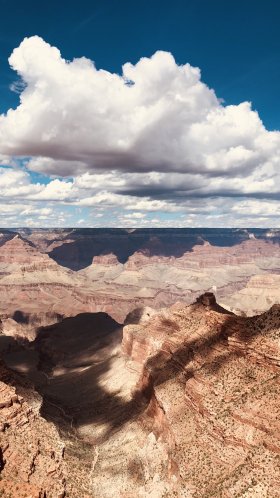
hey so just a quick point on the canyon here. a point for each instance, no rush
(49, 274)
(180, 402)
(139, 363)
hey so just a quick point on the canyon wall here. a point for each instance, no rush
(143, 271)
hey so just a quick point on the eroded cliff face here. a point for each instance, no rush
(260, 292)
(148, 279)
(75, 248)
(214, 379)
(68, 378)
(183, 403)
(31, 451)
(35, 291)
(150, 274)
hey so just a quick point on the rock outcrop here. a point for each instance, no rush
(128, 270)
(215, 378)
(31, 451)
(157, 280)
(35, 291)
(184, 404)
(109, 259)
(260, 292)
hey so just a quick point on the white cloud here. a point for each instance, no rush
(16, 184)
(127, 202)
(6, 160)
(169, 120)
(254, 207)
(134, 216)
(56, 190)
(165, 144)
(11, 209)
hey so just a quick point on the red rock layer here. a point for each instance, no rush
(207, 255)
(109, 259)
(190, 407)
(19, 251)
(31, 452)
(216, 380)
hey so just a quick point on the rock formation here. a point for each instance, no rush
(75, 248)
(31, 451)
(128, 270)
(260, 292)
(214, 385)
(184, 404)
(36, 291)
(158, 280)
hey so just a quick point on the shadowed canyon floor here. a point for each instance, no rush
(184, 402)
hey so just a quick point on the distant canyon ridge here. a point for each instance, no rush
(49, 274)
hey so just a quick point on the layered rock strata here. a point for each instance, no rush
(31, 451)
(157, 280)
(214, 379)
(185, 404)
(33, 283)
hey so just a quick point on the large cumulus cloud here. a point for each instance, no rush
(152, 139)
(155, 116)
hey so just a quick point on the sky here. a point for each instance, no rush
(141, 113)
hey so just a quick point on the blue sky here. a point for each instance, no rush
(236, 45)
